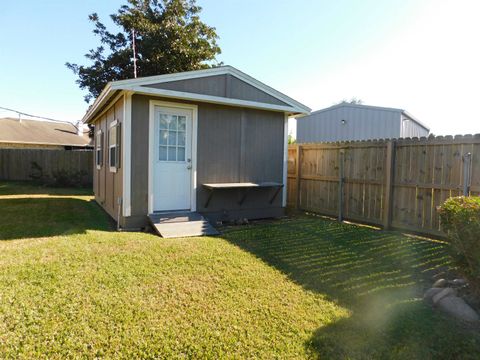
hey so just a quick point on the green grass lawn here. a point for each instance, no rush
(303, 287)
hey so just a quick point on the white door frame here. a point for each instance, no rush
(151, 149)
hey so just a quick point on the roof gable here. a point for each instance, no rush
(223, 85)
(371, 107)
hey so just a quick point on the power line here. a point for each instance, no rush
(38, 117)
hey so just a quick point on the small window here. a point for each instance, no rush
(99, 149)
(114, 146)
(172, 137)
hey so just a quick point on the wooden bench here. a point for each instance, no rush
(246, 186)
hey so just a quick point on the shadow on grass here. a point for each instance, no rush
(380, 276)
(22, 218)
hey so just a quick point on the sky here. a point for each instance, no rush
(419, 55)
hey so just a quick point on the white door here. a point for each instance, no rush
(172, 168)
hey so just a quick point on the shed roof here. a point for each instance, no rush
(361, 106)
(41, 133)
(140, 85)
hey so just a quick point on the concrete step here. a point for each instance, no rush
(181, 224)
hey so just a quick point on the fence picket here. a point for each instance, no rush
(18, 164)
(388, 182)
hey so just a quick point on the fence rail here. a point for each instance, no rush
(390, 183)
(46, 165)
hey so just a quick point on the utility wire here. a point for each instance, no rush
(38, 117)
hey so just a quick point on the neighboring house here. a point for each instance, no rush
(36, 134)
(345, 122)
(210, 141)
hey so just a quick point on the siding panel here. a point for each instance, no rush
(220, 85)
(225, 153)
(360, 124)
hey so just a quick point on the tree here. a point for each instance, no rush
(169, 37)
(291, 139)
(353, 100)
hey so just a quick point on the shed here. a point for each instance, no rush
(211, 142)
(347, 122)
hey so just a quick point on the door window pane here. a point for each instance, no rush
(182, 123)
(181, 138)
(172, 153)
(164, 120)
(180, 154)
(173, 123)
(163, 137)
(163, 153)
(172, 138)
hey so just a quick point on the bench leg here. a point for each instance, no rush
(210, 194)
(244, 196)
(275, 194)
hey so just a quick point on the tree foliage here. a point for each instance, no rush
(169, 37)
(353, 100)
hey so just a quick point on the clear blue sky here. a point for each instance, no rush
(415, 54)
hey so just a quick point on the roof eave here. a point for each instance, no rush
(215, 99)
(407, 114)
(136, 85)
(100, 100)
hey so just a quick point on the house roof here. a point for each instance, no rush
(361, 106)
(41, 133)
(140, 85)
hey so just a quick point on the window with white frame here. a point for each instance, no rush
(99, 149)
(114, 146)
(173, 133)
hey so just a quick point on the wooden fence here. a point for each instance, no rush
(46, 165)
(390, 183)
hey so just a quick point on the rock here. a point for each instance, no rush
(472, 300)
(458, 282)
(430, 293)
(440, 283)
(457, 307)
(443, 294)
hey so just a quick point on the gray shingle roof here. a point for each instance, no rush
(41, 132)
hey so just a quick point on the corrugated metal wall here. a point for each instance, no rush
(411, 129)
(359, 123)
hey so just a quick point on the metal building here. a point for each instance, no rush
(346, 122)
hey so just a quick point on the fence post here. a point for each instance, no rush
(389, 173)
(467, 161)
(298, 171)
(341, 178)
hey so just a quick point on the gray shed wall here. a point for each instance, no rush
(234, 145)
(360, 124)
(107, 185)
(220, 85)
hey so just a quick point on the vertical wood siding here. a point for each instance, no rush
(108, 187)
(233, 145)
(220, 85)
(238, 145)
